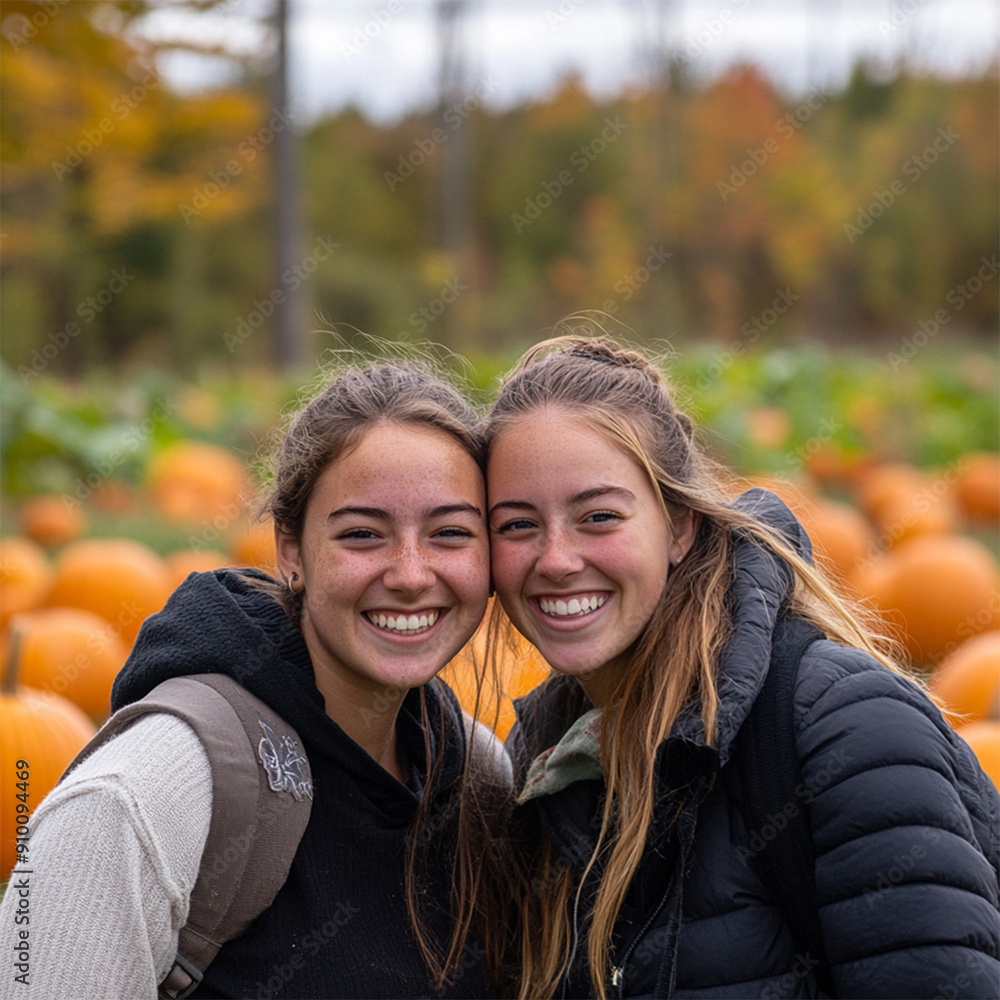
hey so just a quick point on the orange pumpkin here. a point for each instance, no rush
(885, 484)
(767, 427)
(984, 739)
(52, 521)
(253, 545)
(520, 669)
(39, 735)
(927, 508)
(182, 563)
(121, 580)
(194, 482)
(73, 653)
(25, 576)
(978, 487)
(941, 589)
(968, 679)
(840, 535)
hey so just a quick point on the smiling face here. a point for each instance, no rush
(394, 560)
(580, 545)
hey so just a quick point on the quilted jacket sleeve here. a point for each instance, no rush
(906, 831)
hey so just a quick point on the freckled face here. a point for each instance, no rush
(580, 545)
(394, 556)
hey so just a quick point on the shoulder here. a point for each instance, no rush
(844, 690)
(157, 770)
(871, 739)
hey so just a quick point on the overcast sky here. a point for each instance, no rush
(384, 56)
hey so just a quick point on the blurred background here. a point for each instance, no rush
(795, 202)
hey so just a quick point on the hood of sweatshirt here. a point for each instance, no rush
(219, 622)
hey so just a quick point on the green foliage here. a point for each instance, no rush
(930, 412)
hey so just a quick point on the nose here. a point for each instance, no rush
(559, 557)
(410, 571)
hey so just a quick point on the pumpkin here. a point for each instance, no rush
(925, 508)
(840, 535)
(767, 427)
(52, 521)
(984, 740)
(941, 589)
(968, 679)
(182, 563)
(121, 580)
(521, 668)
(880, 485)
(977, 489)
(193, 482)
(25, 576)
(114, 497)
(39, 735)
(253, 545)
(73, 653)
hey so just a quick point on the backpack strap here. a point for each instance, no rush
(772, 782)
(261, 802)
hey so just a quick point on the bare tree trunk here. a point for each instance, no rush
(454, 174)
(290, 341)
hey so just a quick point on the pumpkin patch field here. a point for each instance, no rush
(113, 493)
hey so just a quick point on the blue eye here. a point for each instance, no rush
(521, 524)
(453, 532)
(603, 516)
(358, 534)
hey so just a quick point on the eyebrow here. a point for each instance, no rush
(377, 513)
(582, 497)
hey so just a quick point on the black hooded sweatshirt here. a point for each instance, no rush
(340, 926)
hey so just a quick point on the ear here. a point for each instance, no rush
(685, 524)
(289, 553)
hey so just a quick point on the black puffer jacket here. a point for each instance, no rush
(906, 828)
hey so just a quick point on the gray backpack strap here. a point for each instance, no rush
(261, 802)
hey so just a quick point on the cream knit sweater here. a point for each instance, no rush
(113, 853)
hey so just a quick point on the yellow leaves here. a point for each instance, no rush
(569, 106)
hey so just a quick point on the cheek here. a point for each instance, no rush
(469, 573)
(639, 567)
(509, 565)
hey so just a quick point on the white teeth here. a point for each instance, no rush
(404, 624)
(575, 606)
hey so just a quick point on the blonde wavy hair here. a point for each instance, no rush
(619, 392)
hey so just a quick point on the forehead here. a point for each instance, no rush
(403, 461)
(561, 448)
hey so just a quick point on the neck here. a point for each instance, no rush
(367, 717)
(599, 684)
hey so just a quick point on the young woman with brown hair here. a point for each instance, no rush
(379, 509)
(660, 602)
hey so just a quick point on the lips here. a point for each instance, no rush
(571, 605)
(403, 623)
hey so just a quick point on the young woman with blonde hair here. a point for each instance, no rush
(661, 604)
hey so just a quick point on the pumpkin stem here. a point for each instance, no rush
(9, 685)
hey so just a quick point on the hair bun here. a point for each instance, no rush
(608, 352)
(687, 424)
